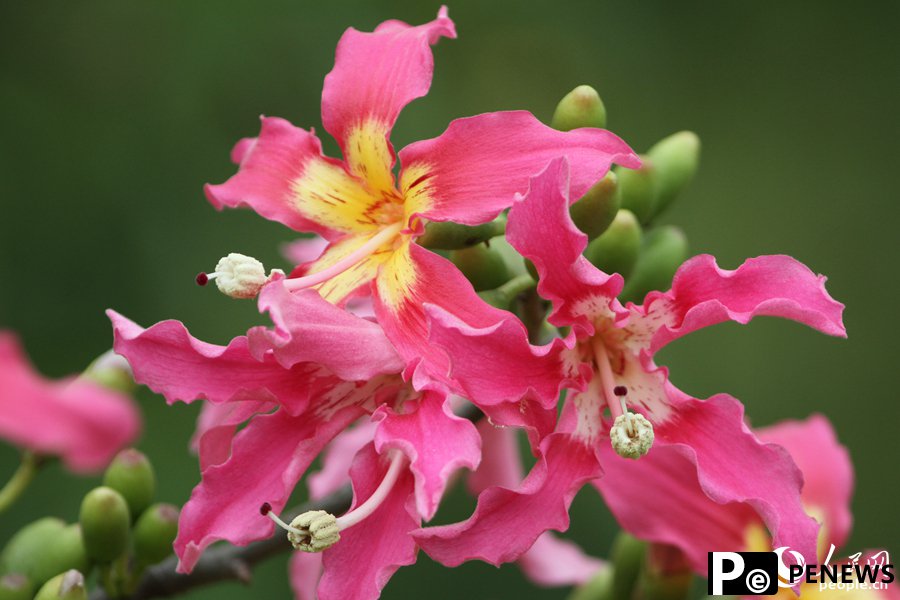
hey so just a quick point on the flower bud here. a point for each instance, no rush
(666, 574)
(638, 189)
(595, 211)
(453, 236)
(111, 371)
(155, 532)
(628, 555)
(16, 586)
(105, 521)
(582, 107)
(42, 549)
(676, 159)
(65, 586)
(617, 249)
(599, 587)
(131, 474)
(484, 267)
(663, 251)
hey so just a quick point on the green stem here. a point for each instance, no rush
(18, 483)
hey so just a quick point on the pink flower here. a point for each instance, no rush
(469, 174)
(297, 386)
(607, 360)
(660, 499)
(78, 420)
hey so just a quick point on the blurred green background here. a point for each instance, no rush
(114, 113)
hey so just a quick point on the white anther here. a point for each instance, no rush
(314, 531)
(631, 435)
(240, 276)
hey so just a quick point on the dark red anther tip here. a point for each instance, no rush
(202, 278)
(265, 509)
(620, 390)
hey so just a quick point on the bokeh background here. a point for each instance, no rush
(114, 113)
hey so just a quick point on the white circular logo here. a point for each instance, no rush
(758, 581)
(784, 571)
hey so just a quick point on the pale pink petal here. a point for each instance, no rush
(702, 294)
(507, 522)
(338, 458)
(826, 467)
(552, 562)
(500, 461)
(269, 168)
(437, 443)
(375, 75)
(472, 171)
(304, 570)
(309, 329)
(268, 458)
(82, 422)
(369, 553)
(304, 250)
(580, 292)
(216, 426)
(171, 362)
(733, 465)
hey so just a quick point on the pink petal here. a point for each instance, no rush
(579, 291)
(369, 553)
(659, 498)
(338, 458)
(418, 278)
(734, 466)
(703, 294)
(507, 522)
(552, 562)
(83, 423)
(304, 570)
(436, 441)
(268, 458)
(826, 467)
(171, 362)
(216, 426)
(472, 171)
(304, 250)
(309, 329)
(375, 75)
(269, 169)
(496, 364)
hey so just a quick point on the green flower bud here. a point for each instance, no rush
(503, 296)
(155, 532)
(638, 189)
(663, 251)
(484, 267)
(453, 236)
(65, 586)
(666, 575)
(131, 474)
(628, 555)
(676, 159)
(43, 549)
(111, 371)
(595, 211)
(582, 107)
(617, 249)
(105, 521)
(16, 586)
(598, 588)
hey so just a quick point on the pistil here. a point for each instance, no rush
(358, 255)
(318, 530)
